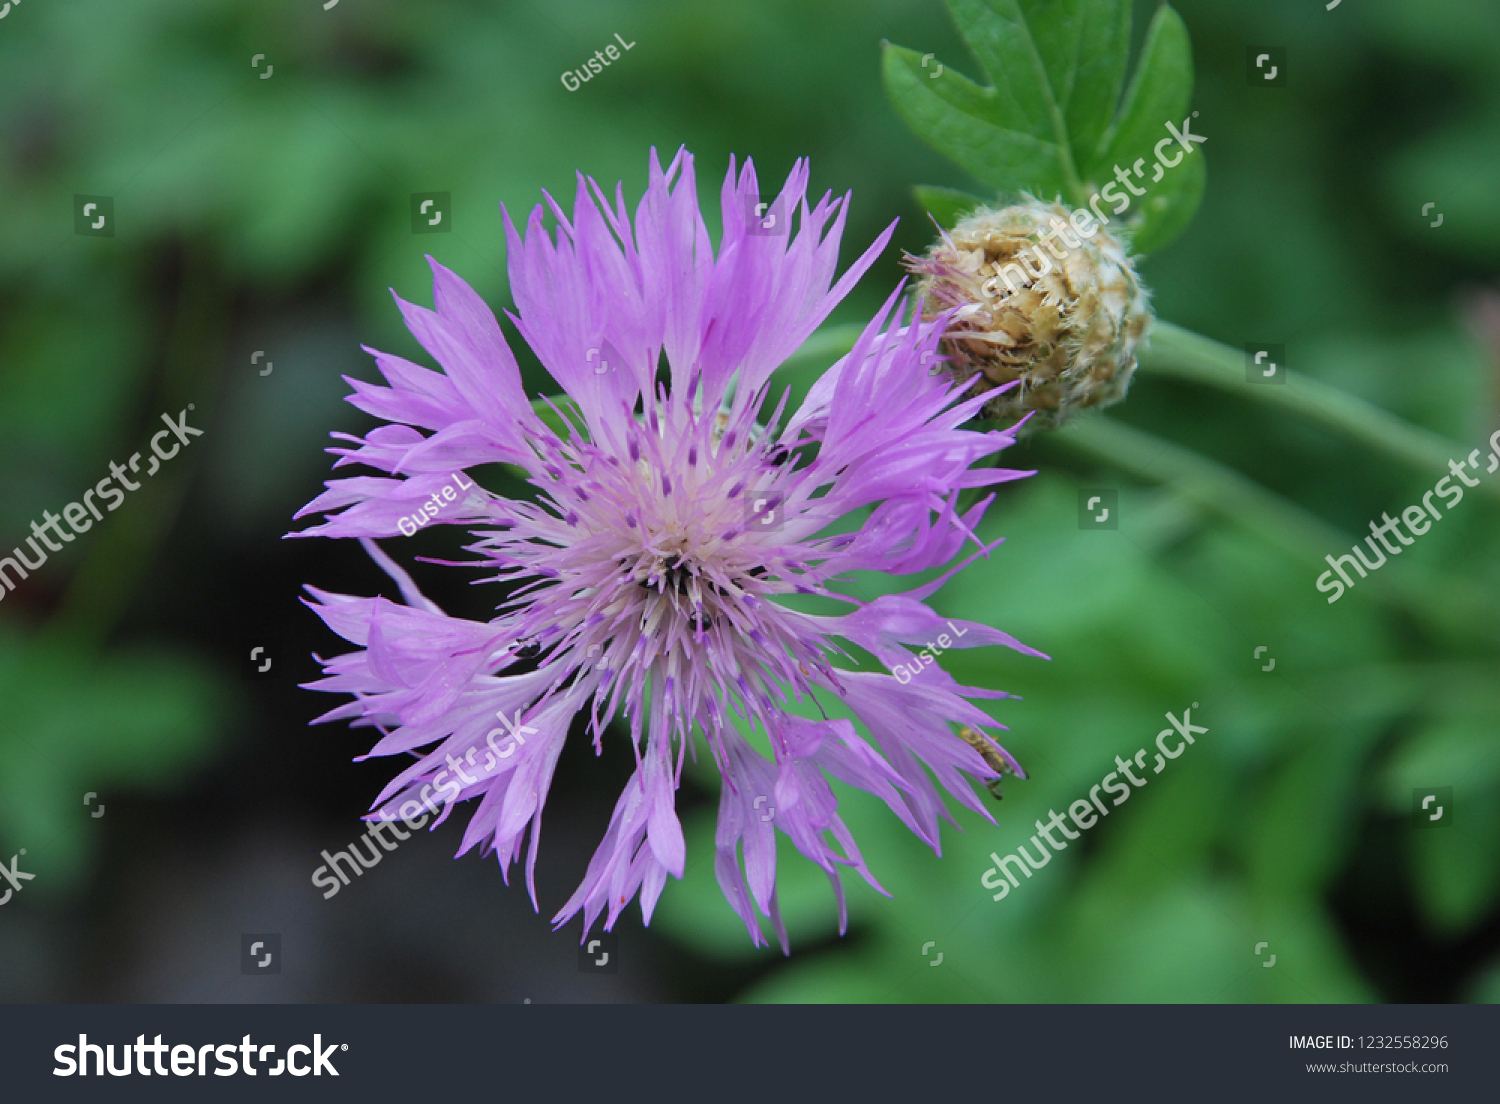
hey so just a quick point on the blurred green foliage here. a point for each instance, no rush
(273, 214)
(75, 725)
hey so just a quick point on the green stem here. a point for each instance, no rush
(1222, 490)
(1178, 353)
(1209, 484)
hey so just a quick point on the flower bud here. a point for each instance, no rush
(1042, 302)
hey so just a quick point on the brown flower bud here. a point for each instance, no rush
(1044, 303)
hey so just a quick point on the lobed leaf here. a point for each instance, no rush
(1159, 93)
(972, 126)
(1048, 122)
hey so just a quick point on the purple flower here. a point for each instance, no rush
(669, 523)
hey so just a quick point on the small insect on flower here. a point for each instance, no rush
(647, 574)
(994, 758)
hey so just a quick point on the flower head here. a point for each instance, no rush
(670, 523)
(1045, 300)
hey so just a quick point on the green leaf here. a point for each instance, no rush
(1056, 68)
(1159, 93)
(1061, 61)
(1047, 123)
(1167, 208)
(972, 126)
(946, 205)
